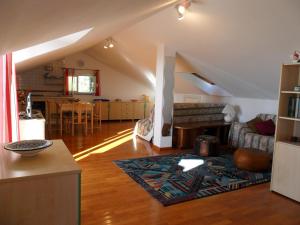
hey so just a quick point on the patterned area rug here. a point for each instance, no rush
(177, 178)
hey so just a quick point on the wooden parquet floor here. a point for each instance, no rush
(111, 197)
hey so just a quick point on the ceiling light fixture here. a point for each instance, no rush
(182, 7)
(109, 43)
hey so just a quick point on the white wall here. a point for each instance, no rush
(248, 108)
(113, 84)
(35, 80)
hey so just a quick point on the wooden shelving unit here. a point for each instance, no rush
(290, 92)
(286, 157)
(289, 118)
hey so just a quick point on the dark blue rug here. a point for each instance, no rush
(177, 178)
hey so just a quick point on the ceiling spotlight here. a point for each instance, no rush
(181, 8)
(109, 43)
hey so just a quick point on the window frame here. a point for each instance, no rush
(76, 77)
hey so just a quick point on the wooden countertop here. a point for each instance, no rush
(54, 160)
(45, 98)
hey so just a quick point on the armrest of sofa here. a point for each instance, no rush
(260, 142)
(237, 133)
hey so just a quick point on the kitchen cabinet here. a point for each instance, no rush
(104, 110)
(44, 189)
(126, 110)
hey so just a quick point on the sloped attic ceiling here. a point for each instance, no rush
(238, 44)
(27, 23)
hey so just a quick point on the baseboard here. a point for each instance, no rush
(155, 148)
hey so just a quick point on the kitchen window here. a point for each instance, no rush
(82, 84)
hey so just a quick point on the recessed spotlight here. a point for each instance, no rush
(181, 8)
(109, 43)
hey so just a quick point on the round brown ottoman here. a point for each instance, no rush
(252, 160)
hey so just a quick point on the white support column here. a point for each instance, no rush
(165, 66)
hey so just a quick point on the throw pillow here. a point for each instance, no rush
(266, 127)
(251, 124)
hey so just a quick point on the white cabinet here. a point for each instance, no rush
(286, 167)
(34, 128)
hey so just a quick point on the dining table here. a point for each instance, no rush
(77, 109)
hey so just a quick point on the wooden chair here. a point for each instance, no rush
(79, 116)
(83, 113)
(90, 114)
(97, 113)
(52, 113)
(76, 114)
(65, 114)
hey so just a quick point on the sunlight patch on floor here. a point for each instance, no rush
(106, 147)
(189, 164)
(127, 131)
(102, 144)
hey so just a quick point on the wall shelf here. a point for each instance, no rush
(289, 143)
(289, 118)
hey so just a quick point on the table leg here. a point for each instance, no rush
(73, 120)
(85, 122)
(92, 120)
(60, 122)
(218, 132)
(180, 140)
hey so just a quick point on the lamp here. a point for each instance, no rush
(229, 112)
(109, 43)
(181, 8)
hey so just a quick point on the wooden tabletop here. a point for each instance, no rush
(56, 159)
(69, 106)
(204, 124)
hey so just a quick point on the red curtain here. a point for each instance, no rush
(66, 81)
(69, 73)
(9, 118)
(98, 85)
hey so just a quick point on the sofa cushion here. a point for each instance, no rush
(266, 127)
(252, 124)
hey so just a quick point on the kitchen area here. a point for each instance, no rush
(43, 90)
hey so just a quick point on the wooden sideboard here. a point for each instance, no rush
(44, 189)
(125, 110)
